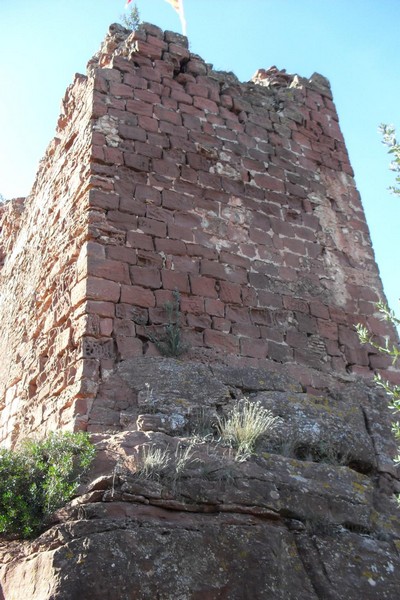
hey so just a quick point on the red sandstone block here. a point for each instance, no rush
(195, 89)
(150, 50)
(148, 123)
(185, 264)
(121, 90)
(237, 315)
(245, 330)
(158, 213)
(147, 96)
(136, 239)
(269, 299)
(259, 281)
(295, 304)
(328, 329)
(188, 220)
(192, 122)
(234, 259)
(113, 270)
(202, 251)
(306, 323)
(279, 352)
(170, 246)
(221, 341)
(137, 296)
(103, 309)
(356, 356)
(261, 316)
(136, 162)
(100, 199)
(147, 277)
(93, 288)
(283, 228)
(134, 81)
(249, 296)
(214, 307)
(199, 321)
(198, 162)
(205, 104)
(220, 324)
(166, 168)
(296, 339)
(209, 180)
(129, 347)
(139, 107)
(332, 348)
(152, 227)
(212, 268)
(230, 293)
(168, 115)
(158, 139)
(236, 274)
(172, 280)
(259, 236)
(203, 286)
(177, 232)
(192, 304)
(149, 259)
(181, 96)
(317, 309)
(146, 149)
(253, 348)
(146, 193)
(175, 131)
(113, 156)
(131, 132)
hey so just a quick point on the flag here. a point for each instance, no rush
(178, 6)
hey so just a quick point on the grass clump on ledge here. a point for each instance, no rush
(38, 478)
(244, 426)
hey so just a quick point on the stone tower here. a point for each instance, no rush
(169, 182)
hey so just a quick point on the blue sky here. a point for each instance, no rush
(355, 43)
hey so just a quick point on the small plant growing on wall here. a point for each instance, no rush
(170, 342)
(38, 478)
(247, 422)
(131, 20)
(391, 349)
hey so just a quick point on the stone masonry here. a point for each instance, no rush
(167, 175)
(165, 179)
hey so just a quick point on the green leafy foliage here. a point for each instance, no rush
(393, 350)
(131, 20)
(38, 478)
(389, 139)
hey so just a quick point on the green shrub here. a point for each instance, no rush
(38, 478)
(245, 425)
(131, 20)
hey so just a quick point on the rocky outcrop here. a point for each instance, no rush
(170, 182)
(310, 515)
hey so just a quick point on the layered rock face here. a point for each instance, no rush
(169, 182)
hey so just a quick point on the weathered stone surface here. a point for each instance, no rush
(168, 176)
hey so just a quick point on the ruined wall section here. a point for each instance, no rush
(239, 196)
(40, 366)
(167, 175)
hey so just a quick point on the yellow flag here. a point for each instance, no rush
(178, 6)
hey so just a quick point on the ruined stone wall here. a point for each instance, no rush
(41, 365)
(167, 175)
